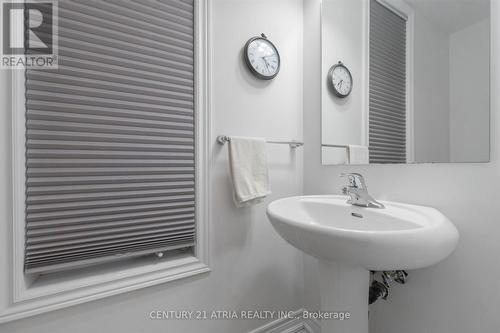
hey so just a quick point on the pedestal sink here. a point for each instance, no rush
(350, 241)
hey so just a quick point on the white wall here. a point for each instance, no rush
(459, 295)
(469, 93)
(312, 121)
(253, 268)
(431, 91)
(343, 35)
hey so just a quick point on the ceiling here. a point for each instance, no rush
(452, 15)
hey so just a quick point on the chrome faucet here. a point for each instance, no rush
(357, 190)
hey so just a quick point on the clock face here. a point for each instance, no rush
(262, 58)
(341, 80)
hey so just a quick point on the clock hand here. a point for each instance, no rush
(265, 62)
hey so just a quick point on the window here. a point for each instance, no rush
(388, 105)
(110, 136)
(110, 155)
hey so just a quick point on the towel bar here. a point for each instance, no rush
(337, 146)
(222, 139)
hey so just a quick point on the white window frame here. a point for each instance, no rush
(401, 8)
(34, 294)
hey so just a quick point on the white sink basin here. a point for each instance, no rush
(400, 236)
(350, 241)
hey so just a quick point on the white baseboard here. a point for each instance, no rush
(296, 324)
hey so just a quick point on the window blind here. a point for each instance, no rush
(387, 110)
(110, 150)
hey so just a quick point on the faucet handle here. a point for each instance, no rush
(355, 180)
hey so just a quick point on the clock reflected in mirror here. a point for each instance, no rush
(340, 80)
(262, 57)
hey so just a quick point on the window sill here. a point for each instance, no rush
(55, 291)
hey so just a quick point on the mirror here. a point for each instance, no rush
(405, 81)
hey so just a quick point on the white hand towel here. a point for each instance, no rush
(249, 172)
(358, 154)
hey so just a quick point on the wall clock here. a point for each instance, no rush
(262, 57)
(340, 80)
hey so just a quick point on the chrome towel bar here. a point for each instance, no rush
(336, 146)
(222, 139)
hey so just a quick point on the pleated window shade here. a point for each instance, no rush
(387, 110)
(110, 152)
